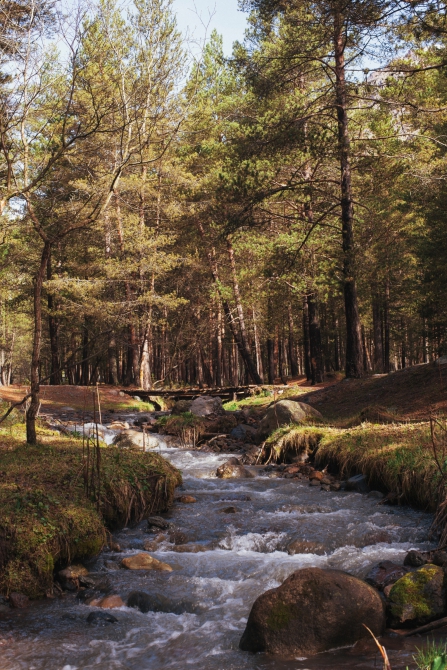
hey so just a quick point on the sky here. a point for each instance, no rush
(199, 17)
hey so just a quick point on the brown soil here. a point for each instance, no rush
(412, 393)
(55, 398)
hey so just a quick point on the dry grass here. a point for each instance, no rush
(394, 457)
(291, 443)
(47, 519)
(186, 426)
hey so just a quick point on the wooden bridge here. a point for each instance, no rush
(226, 393)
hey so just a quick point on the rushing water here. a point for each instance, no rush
(205, 601)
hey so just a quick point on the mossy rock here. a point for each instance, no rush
(313, 611)
(418, 597)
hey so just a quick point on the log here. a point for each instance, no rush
(433, 625)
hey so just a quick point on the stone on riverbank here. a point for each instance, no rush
(415, 559)
(284, 412)
(144, 561)
(18, 600)
(101, 618)
(313, 611)
(418, 597)
(186, 500)
(69, 577)
(206, 406)
(157, 523)
(384, 574)
(232, 471)
(358, 484)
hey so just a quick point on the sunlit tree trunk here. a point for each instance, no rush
(33, 408)
(354, 349)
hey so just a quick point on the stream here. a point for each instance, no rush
(204, 603)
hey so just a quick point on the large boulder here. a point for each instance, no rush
(418, 597)
(283, 413)
(313, 611)
(135, 439)
(204, 406)
(231, 470)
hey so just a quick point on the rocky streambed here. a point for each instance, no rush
(225, 543)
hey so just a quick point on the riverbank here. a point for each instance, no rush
(396, 459)
(239, 539)
(47, 518)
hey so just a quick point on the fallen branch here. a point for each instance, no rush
(17, 404)
(439, 623)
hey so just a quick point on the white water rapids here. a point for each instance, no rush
(207, 598)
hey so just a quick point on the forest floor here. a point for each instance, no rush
(56, 399)
(413, 393)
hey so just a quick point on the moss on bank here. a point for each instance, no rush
(395, 458)
(47, 520)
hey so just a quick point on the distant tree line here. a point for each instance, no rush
(221, 220)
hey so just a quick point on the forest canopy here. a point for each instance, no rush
(221, 221)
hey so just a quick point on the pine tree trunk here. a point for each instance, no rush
(113, 362)
(354, 350)
(292, 348)
(132, 372)
(366, 359)
(219, 346)
(377, 334)
(271, 360)
(306, 340)
(145, 368)
(337, 362)
(85, 368)
(241, 339)
(404, 343)
(238, 335)
(257, 347)
(53, 328)
(386, 328)
(33, 408)
(316, 353)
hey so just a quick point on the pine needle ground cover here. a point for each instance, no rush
(48, 521)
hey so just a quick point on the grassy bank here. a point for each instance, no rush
(47, 520)
(395, 458)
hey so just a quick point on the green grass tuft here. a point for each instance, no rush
(426, 656)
